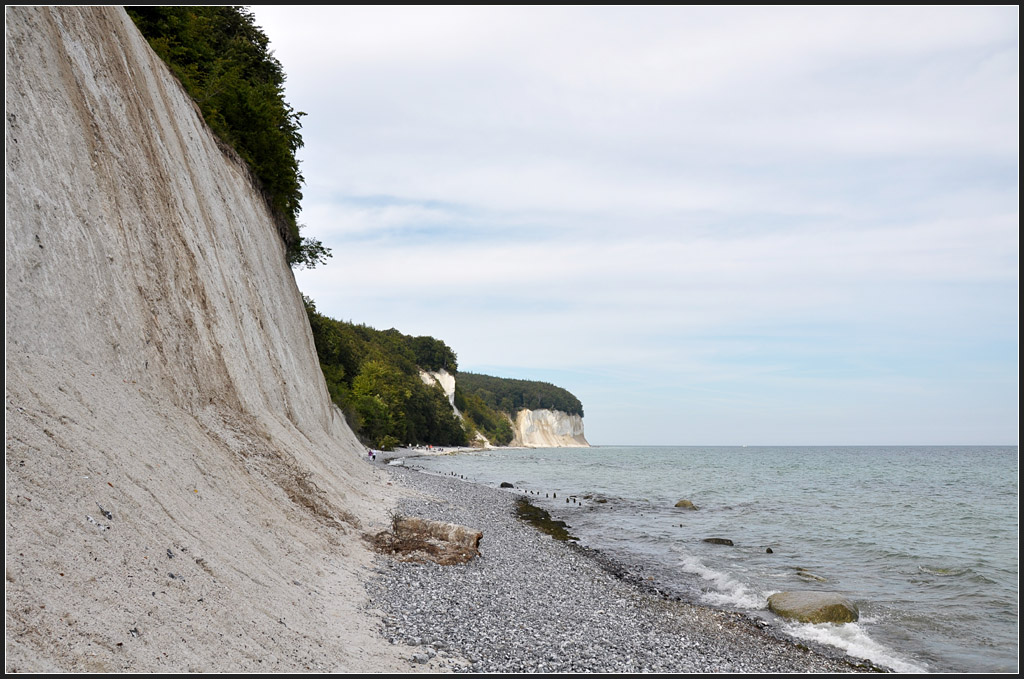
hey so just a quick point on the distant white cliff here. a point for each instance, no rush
(532, 428)
(548, 429)
(447, 382)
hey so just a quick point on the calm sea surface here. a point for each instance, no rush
(923, 539)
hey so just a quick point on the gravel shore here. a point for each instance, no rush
(530, 603)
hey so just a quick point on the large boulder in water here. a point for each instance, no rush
(807, 575)
(719, 541)
(813, 607)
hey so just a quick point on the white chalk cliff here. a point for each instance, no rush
(548, 429)
(447, 382)
(532, 428)
(181, 495)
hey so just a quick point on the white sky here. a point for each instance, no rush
(714, 226)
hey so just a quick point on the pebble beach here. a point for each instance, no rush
(530, 603)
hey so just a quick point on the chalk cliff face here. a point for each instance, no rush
(447, 382)
(181, 494)
(532, 428)
(548, 429)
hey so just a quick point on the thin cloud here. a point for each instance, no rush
(812, 207)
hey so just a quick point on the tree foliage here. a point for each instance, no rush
(510, 396)
(374, 377)
(224, 61)
(494, 424)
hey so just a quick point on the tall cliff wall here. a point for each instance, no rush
(548, 429)
(181, 494)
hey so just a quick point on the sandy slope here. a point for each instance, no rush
(180, 494)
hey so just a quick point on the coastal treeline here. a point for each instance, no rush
(495, 425)
(510, 396)
(374, 377)
(224, 61)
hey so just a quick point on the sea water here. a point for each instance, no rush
(923, 539)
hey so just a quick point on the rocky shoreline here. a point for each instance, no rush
(529, 603)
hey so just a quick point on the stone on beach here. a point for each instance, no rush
(813, 607)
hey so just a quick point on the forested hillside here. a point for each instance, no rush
(510, 396)
(374, 377)
(480, 417)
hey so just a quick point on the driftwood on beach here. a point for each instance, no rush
(422, 540)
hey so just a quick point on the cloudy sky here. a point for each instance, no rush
(714, 226)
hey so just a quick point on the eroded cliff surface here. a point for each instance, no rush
(548, 429)
(447, 382)
(180, 493)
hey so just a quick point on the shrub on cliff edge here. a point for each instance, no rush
(224, 61)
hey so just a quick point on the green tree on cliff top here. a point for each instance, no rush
(224, 61)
